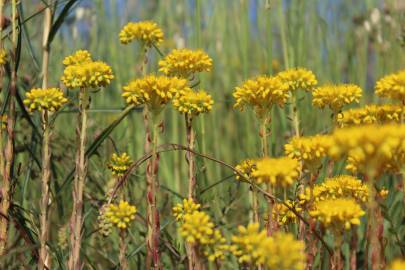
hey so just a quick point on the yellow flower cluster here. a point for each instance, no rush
(197, 227)
(147, 32)
(309, 150)
(299, 78)
(279, 252)
(121, 214)
(337, 214)
(371, 114)
(153, 91)
(280, 172)
(119, 164)
(392, 86)
(336, 96)
(49, 99)
(78, 58)
(187, 207)
(261, 94)
(283, 215)
(370, 147)
(3, 57)
(398, 264)
(192, 103)
(342, 186)
(246, 167)
(185, 62)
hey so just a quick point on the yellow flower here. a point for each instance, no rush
(309, 150)
(87, 75)
(197, 228)
(261, 94)
(217, 248)
(185, 62)
(246, 167)
(283, 215)
(342, 186)
(280, 172)
(299, 78)
(398, 264)
(3, 57)
(337, 214)
(280, 252)
(187, 207)
(3, 121)
(192, 103)
(370, 147)
(79, 57)
(249, 245)
(336, 96)
(392, 86)
(285, 253)
(119, 164)
(371, 114)
(153, 91)
(49, 99)
(120, 215)
(147, 32)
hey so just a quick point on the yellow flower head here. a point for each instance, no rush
(78, 58)
(121, 214)
(197, 227)
(336, 96)
(3, 57)
(370, 147)
(398, 264)
(392, 86)
(249, 245)
(283, 215)
(119, 164)
(217, 248)
(280, 172)
(246, 167)
(185, 62)
(342, 186)
(285, 253)
(147, 32)
(371, 114)
(192, 103)
(337, 214)
(87, 75)
(299, 78)
(153, 91)
(309, 150)
(186, 208)
(49, 99)
(261, 94)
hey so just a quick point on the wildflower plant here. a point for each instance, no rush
(279, 172)
(392, 86)
(336, 96)
(147, 32)
(119, 164)
(298, 78)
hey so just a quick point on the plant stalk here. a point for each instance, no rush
(123, 250)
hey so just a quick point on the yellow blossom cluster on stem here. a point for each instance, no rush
(371, 114)
(187, 207)
(185, 62)
(192, 103)
(49, 99)
(337, 214)
(261, 94)
(120, 214)
(3, 57)
(370, 147)
(283, 214)
(342, 186)
(245, 168)
(398, 264)
(119, 164)
(82, 72)
(392, 86)
(279, 172)
(299, 78)
(147, 32)
(310, 150)
(336, 96)
(281, 251)
(153, 91)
